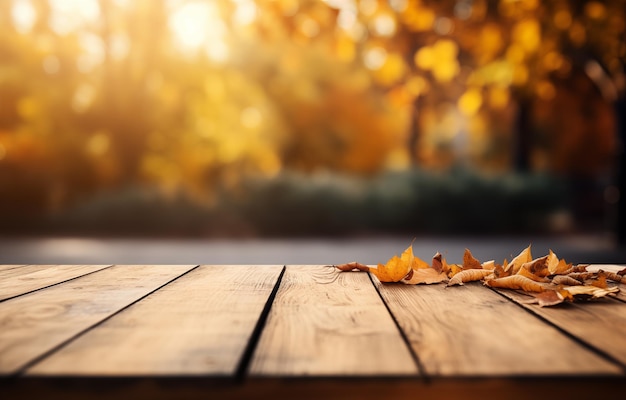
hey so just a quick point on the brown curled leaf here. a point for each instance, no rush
(469, 261)
(615, 277)
(469, 275)
(574, 269)
(516, 282)
(565, 280)
(439, 262)
(547, 298)
(582, 276)
(491, 265)
(424, 275)
(352, 266)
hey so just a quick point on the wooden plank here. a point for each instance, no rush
(601, 323)
(199, 324)
(33, 324)
(6, 267)
(16, 281)
(328, 323)
(472, 331)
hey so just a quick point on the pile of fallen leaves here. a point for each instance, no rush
(548, 279)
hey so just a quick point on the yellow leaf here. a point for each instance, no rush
(396, 268)
(516, 263)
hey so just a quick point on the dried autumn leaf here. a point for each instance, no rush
(600, 280)
(469, 275)
(352, 266)
(556, 266)
(515, 282)
(589, 292)
(565, 280)
(491, 265)
(547, 298)
(454, 269)
(424, 275)
(418, 263)
(525, 272)
(469, 261)
(537, 267)
(516, 263)
(575, 269)
(612, 276)
(396, 268)
(439, 263)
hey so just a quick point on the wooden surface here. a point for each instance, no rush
(36, 323)
(199, 324)
(326, 323)
(298, 331)
(16, 281)
(475, 331)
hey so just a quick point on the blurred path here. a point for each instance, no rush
(578, 249)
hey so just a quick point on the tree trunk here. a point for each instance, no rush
(523, 134)
(620, 113)
(414, 130)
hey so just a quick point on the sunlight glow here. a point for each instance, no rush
(375, 58)
(24, 15)
(69, 15)
(245, 13)
(198, 25)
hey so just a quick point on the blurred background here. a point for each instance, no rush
(304, 131)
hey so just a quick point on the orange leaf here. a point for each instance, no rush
(424, 275)
(516, 263)
(469, 275)
(469, 262)
(538, 267)
(530, 275)
(352, 266)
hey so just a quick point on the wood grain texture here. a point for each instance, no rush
(601, 323)
(472, 331)
(6, 267)
(16, 281)
(327, 323)
(35, 323)
(199, 324)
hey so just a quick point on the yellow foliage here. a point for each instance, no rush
(527, 34)
(469, 103)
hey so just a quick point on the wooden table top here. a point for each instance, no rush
(184, 331)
